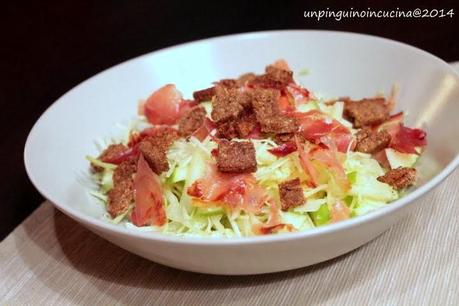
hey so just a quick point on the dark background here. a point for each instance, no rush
(48, 47)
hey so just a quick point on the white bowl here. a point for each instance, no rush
(340, 64)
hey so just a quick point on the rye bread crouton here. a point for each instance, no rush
(291, 194)
(266, 108)
(228, 83)
(164, 137)
(280, 75)
(120, 197)
(245, 100)
(155, 156)
(207, 93)
(245, 78)
(191, 121)
(265, 103)
(226, 104)
(236, 157)
(227, 130)
(279, 125)
(245, 124)
(122, 193)
(154, 149)
(273, 77)
(204, 94)
(369, 141)
(125, 171)
(367, 112)
(238, 128)
(399, 178)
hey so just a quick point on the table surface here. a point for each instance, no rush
(50, 259)
(48, 49)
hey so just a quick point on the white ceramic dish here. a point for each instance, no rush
(339, 64)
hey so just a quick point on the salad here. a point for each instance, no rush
(255, 155)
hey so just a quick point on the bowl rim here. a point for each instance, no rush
(102, 225)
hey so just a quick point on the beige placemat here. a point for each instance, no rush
(51, 260)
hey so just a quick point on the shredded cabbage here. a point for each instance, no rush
(366, 189)
(189, 159)
(398, 159)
